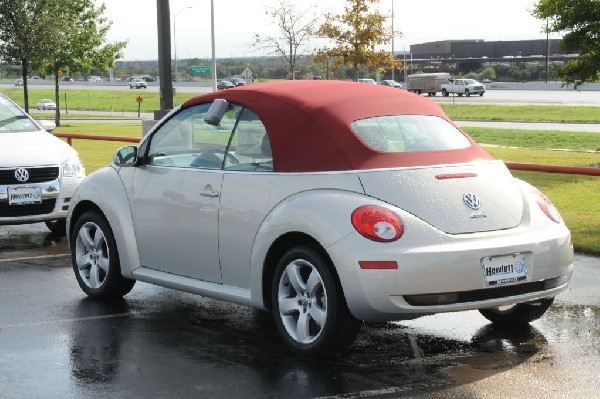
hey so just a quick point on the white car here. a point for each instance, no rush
(327, 203)
(138, 84)
(46, 104)
(38, 172)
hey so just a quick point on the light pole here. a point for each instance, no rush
(212, 38)
(175, 35)
(393, 55)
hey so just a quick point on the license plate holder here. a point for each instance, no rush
(504, 270)
(24, 195)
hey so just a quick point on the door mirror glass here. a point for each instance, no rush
(126, 156)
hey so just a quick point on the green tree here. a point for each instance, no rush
(27, 29)
(488, 73)
(82, 44)
(356, 34)
(579, 20)
(295, 26)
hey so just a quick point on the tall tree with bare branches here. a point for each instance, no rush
(295, 24)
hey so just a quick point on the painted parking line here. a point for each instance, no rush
(34, 257)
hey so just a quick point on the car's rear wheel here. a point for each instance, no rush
(58, 226)
(444, 92)
(96, 260)
(308, 306)
(467, 93)
(519, 314)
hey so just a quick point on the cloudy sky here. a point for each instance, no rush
(236, 21)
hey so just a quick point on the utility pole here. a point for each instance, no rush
(394, 55)
(164, 58)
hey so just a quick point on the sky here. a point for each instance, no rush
(236, 22)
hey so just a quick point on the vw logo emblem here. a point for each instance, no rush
(471, 201)
(22, 175)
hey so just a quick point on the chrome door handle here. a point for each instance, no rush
(209, 192)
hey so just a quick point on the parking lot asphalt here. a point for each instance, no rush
(159, 343)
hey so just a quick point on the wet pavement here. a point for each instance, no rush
(159, 343)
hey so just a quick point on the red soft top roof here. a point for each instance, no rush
(308, 123)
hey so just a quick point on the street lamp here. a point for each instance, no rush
(212, 39)
(175, 37)
(393, 55)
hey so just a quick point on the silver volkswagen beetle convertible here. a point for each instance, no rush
(326, 203)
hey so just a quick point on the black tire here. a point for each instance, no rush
(519, 314)
(467, 93)
(445, 93)
(324, 299)
(58, 226)
(480, 94)
(460, 94)
(95, 258)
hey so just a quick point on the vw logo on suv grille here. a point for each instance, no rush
(471, 201)
(22, 175)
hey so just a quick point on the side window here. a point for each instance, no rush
(186, 141)
(250, 149)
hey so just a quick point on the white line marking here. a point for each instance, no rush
(34, 257)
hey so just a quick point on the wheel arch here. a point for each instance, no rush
(103, 191)
(276, 251)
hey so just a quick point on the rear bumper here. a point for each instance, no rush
(448, 276)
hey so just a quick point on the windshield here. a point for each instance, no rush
(410, 133)
(13, 119)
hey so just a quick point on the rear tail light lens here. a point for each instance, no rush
(377, 224)
(547, 207)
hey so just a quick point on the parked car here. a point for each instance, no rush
(38, 172)
(46, 104)
(138, 83)
(390, 83)
(238, 82)
(94, 79)
(66, 79)
(328, 203)
(225, 84)
(19, 82)
(368, 81)
(35, 77)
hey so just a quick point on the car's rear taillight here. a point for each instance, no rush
(377, 224)
(547, 207)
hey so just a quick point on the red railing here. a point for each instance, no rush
(529, 167)
(71, 136)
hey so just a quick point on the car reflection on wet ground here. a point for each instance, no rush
(159, 343)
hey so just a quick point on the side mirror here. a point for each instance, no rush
(216, 111)
(126, 156)
(47, 125)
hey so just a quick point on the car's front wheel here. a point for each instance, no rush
(308, 305)
(518, 314)
(96, 260)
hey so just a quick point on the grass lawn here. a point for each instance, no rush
(98, 100)
(535, 138)
(535, 113)
(576, 197)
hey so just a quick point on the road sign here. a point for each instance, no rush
(60, 72)
(139, 99)
(196, 70)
